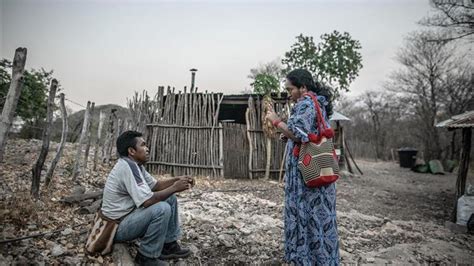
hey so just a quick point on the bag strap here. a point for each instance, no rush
(319, 115)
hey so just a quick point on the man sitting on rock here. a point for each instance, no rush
(147, 208)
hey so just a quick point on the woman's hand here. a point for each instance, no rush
(272, 116)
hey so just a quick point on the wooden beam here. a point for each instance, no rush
(187, 165)
(263, 170)
(244, 101)
(463, 168)
(187, 127)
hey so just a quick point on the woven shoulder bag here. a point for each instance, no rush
(317, 160)
(101, 235)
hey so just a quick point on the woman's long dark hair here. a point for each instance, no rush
(302, 77)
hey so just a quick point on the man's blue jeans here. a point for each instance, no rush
(155, 225)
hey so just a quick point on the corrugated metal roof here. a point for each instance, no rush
(336, 116)
(459, 121)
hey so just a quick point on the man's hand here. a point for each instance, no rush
(189, 179)
(181, 185)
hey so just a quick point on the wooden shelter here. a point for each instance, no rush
(346, 161)
(214, 135)
(245, 151)
(465, 122)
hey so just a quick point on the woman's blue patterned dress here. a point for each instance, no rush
(310, 213)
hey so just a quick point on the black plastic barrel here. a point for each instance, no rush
(407, 157)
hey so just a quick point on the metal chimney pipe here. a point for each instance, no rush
(193, 77)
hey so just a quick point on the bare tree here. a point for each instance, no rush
(273, 68)
(459, 84)
(454, 18)
(458, 96)
(434, 83)
(421, 79)
(377, 108)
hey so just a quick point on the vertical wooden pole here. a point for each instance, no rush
(221, 149)
(282, 164)
(59, 151)
(110, 136)
(89, 138)
(77, 161)
(99, 136)
(463, 169)
(268, 156)
(16, 84)
(247, 120)
(36, 170)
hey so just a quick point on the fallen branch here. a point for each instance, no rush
(4, 241)
(81, 197)
(92, 208)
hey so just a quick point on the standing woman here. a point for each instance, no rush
(310, 213)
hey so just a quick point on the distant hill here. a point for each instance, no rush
(76, 119)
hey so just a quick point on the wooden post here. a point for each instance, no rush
(221, 149)
(282, 164)
(117, 132)
(99, 135)
(110, 136)
(77, 161)
(13, 95)
(247, 118)
(36, 170)
(352, 158)
(59, 152)
(463, 169)
(89, 138)
(269, 157)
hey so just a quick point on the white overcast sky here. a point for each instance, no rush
(103, 51)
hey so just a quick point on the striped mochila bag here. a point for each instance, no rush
(317, 160)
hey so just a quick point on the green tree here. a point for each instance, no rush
(266, 78)
(265, 83)
(32, 103)
(336, 60)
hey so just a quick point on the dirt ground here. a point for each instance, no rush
(389, 215)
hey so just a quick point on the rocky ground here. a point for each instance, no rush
(389, 215)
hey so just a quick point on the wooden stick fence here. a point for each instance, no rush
(257, 142)
(184, 134)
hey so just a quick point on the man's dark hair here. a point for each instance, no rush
(126, 140)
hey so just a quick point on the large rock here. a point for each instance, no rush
(57, 251)
(226, 240)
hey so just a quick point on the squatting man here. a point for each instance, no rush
(147, 208)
